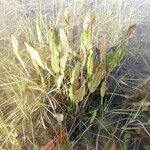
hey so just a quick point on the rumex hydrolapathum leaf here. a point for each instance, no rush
(96, 78)
(54, 39)
(55, 61)
(35, 57)
(72, 94)
(103, 48)
(83, 55)
(65, 50)
(14, 42)
(74, 83)
(81, 91)
(86, 35)
(55, 49)
(63, 39)
(103, 88)
(110, 60)
(89, 19)
(86, 39)
(113, 58)
(119, 55)
(77, 94)
(90, 66)
(75, 73)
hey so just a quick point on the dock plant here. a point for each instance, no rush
(48, 74)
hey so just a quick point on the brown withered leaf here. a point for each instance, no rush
(81, 91)
(103, 47)
(59, 117)
(113, 145)
(103, 88)
(53, 143)
(130, 30)
(89, 18)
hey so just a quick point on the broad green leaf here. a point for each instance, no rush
(90, 65)
(113, 58)
(96, 78)
(93, 117)
(72, 94)
(86, 39)
(110, 60)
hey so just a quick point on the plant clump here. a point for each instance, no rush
(52, 77)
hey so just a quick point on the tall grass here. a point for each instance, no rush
(52, 60)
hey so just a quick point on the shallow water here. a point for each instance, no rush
(138, 63)
(135, 68)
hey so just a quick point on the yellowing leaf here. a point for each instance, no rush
(96, 78)
(103, 88)
(89, 18)
(86, 39)
(35, 56)
(72, 94)
(55, 48)
(16, 51)
(63, 38)
(141, 103)
(90, 65)
(55, 61)
(65, 49)
(103, 47)
(81, 91)
(59, 81)
(75, 73)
